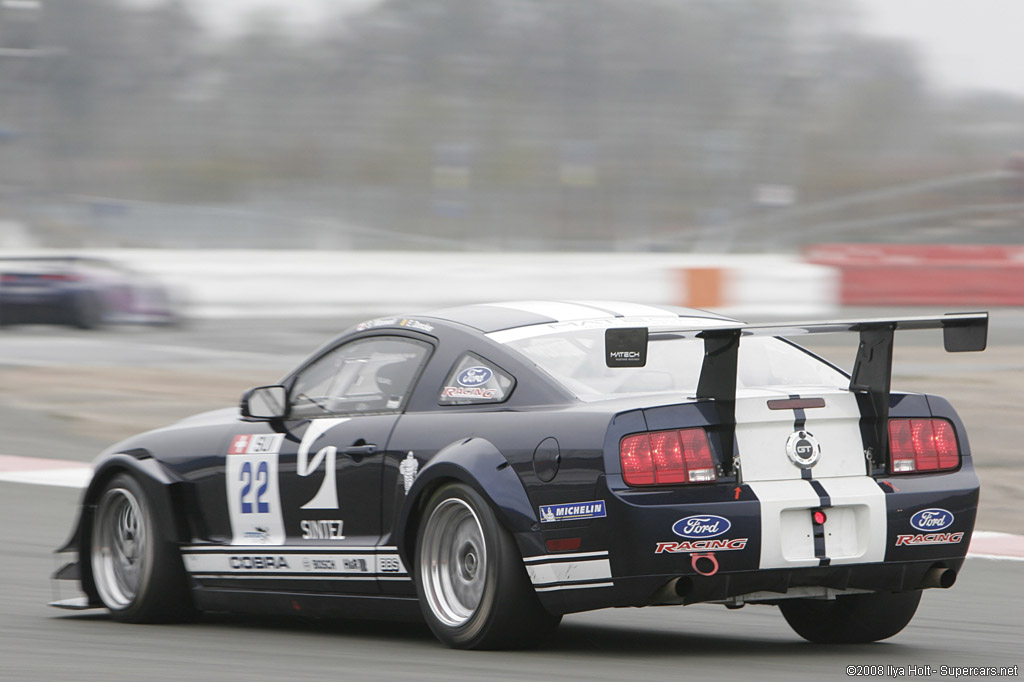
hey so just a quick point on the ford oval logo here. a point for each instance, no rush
(703, 526)
(932, 519)
(474, 376)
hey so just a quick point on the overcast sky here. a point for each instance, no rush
(963, 43)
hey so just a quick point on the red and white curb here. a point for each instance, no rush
(67, 474)
(42, 471)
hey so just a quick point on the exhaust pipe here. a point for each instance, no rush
(939, 577)
(705, 564)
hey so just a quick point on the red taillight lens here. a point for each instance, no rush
(667, 457)
(921, 445)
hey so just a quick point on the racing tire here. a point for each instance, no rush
(470, 578)
(851, 619)
(86, 311)
(138, 575)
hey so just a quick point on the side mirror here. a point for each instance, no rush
(265, 402)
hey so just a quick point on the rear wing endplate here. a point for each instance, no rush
(871, 378)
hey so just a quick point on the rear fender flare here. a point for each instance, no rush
(480, 465)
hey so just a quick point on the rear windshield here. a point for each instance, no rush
(576, 360)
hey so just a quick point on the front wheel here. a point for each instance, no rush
(138, 574)
(470, 577)
(851, 619)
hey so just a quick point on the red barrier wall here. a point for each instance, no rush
(902, 274)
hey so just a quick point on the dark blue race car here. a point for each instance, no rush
(493, 467)
(81, 292)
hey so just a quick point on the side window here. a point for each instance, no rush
(368, 375)
(475, 380)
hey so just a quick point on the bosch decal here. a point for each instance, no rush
(803, 449)
(319, 529)
(702, 526)
(572, 512)
(930, 539)
(932, 520)
(722, 544)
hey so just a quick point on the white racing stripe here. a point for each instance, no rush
(321, 563)
(557, 311)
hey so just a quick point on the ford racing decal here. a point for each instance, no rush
(930, 539)
(722, 544)
(932, 520)
(474, 376)
(573, 512)
(702, 526)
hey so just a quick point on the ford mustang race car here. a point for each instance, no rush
(83, 292)
(493, 467)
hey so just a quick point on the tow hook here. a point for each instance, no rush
(705, 564)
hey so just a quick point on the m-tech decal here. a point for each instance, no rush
(573, 512)
(932, 520)
(701, 526)
(254, 500)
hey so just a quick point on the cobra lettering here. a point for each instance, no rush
(929, 539)
(700, 546)
(258, 563)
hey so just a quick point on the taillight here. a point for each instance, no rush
(667, 457)
(921, 445)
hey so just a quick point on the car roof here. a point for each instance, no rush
(493, 317)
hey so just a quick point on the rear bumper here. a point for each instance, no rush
(765, 545)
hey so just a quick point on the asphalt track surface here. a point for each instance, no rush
(976, 623)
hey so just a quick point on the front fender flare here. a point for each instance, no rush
(480, 465)
(163, 488)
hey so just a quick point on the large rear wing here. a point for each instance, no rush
(871, 378)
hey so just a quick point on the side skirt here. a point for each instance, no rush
(364, 607)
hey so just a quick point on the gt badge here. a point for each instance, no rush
(803, 449)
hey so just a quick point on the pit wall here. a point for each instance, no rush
(900, 274)
(250, 283)
(264, 283)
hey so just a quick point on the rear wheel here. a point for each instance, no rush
(470, 577)
(137, 573)
(851, 619)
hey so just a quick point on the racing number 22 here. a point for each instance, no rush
(262, 479)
